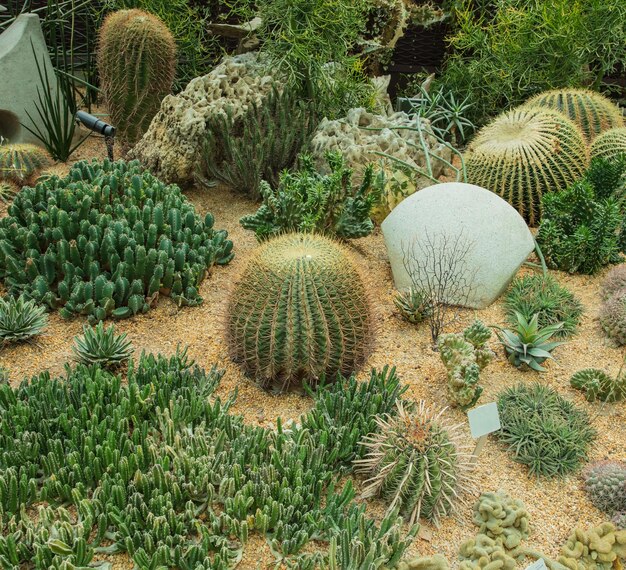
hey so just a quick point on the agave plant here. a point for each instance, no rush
(528, 343)
(103, 347)
(20, 319)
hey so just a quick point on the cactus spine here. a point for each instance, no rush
(301, 310)
(524, 154)
(593, 113)
(136, 61)
(610, 143)
(18, 162)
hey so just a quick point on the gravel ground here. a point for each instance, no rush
(555, 506)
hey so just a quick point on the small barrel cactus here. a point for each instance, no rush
(136, 61)
(598, 385)
(609, 144)
(524, 154)
(605, 483)
(613, 317)
(619, 520)
(614, 282)
(592, 112)
(416, 461)
(18, 162)
(300, 311)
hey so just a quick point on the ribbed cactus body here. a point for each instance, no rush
(605, 482)
(593, 113)
(136, 61)
(19, 162)
(598, 385)
(300, 310)
(524, 154)
(610, 143)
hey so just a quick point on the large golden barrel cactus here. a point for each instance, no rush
(609, 144)
(524, 153)
(300, 310)
(592, 112)
(136, 62)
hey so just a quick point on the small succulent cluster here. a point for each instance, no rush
(157, 467)
(416, 461)
(102, 346)
(524, 154)
(613, 311)
(20, 319)
(610, 144)
(19, 162)
(107, 240)
(528, 344)
(300, 311)
(543, 430)
(307, 201)
(414, 305)
(464, 355)
(502, 518)
(581, 229)
(543, 296)
(599, 548)
(598, 385)
(605, 483)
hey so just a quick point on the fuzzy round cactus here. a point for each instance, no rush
(598, 385)
(610, 143)
(18, 162)
(605, 482)
(613, 317)
(614, 282)
(136, 62)
(300, 311)
(416, 461)
(592, 112)
(524, 154)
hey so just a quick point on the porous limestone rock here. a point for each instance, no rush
(172, 145)
(362, 137)
(433, 220)
(19, 78)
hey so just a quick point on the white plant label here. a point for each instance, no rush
(484, 420)
(539, 565)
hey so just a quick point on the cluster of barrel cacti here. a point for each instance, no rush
(464, 355)
(170, 477)
(19, 162)
(107, 240)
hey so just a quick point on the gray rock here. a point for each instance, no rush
(454, 217)
(19, 79)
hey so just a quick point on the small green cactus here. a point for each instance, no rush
(592, 112)
(614, 282)
(8, 190)
(598, 385)
(300, 311)
(610, 144)
(525, 153)
(599, 548)
(136, 62)
(103, 347)
(484, 552)
(502, 518)
(20, 319)
(605, 483)
(413, 304)
(18, 162)
(613, 317)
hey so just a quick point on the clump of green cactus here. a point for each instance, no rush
(464, 355)
(300, 311)
(610, 144)
(544, 296)
(19, 162)
(308, 201)
(543, 430)
(20, 319)
(106, 241)
(482, 551)
(592, 112)
(413, 304)
(435, 562)
(599, 548)
(613, 317)
(598, 385)
(136, 62)
(416, 461)
(102, 346)
(502, 518)
(605, 483)
(524, 154)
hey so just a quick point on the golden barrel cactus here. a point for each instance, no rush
(525, 153)
(609, 144)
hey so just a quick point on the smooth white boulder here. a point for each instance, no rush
(496, 238)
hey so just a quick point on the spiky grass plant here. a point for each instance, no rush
(18, 162)
(417, 462)
(413, 304)
(102, 346)
(605, 483)
(525, 153)
(20, 319)
(543, 296)
(592, 112)
(610, 144)
(543, 430)
(598, 385)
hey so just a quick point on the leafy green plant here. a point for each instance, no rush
(413, 304)
(307, 201)
(581, 227)
(257, 146)
(605, 483)
(527, 344)
(598, 385)
(20, 319)
(543, 296)
(107, 240)
(102, 346)
(543, 430)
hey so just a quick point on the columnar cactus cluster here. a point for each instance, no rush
(106, 241)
